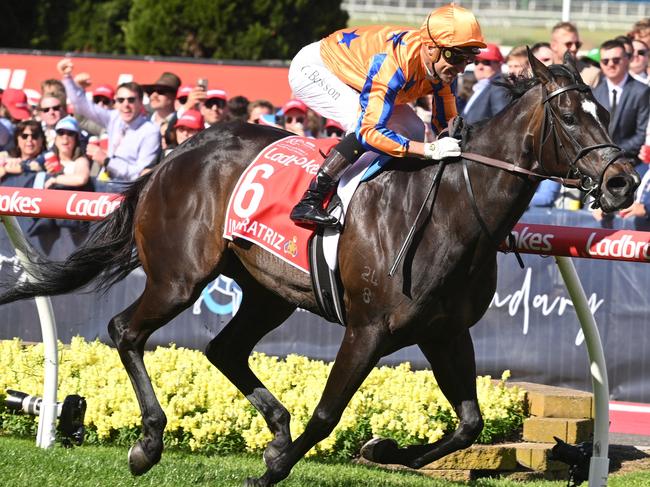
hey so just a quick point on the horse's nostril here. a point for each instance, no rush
(622, 184)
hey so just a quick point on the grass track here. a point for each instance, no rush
(22, 464)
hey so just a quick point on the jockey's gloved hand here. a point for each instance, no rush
(441, 148)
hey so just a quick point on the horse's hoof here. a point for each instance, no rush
(380, 450)
(139, 463)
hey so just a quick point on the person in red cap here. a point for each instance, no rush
(104, 95)
(295, 115)
(188, 124)
(364, 77)
(14, 105)
(213, 108)
(334, 129)
(13, 109)
(488, 98)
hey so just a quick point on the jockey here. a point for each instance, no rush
(364, 77)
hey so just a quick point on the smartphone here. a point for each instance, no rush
(203, 83)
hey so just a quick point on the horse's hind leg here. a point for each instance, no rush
(454, 367)
(260, 312)
(129, 331)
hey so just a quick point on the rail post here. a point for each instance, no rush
(45, 435)
(599, 465)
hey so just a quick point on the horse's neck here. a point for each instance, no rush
(507, 137)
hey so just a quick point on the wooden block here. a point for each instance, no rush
(536, 456)
(557, 402)
(477, 457)
(571, 430)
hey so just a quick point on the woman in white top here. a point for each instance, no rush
(74, 168)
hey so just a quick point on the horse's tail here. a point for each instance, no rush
(107, 257)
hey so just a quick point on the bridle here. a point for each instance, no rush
(574, 177)
(586, 183)
(550, 123)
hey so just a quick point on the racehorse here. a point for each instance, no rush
(171, 222)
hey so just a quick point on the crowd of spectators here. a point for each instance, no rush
(81, 136)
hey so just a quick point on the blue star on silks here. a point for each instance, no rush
(348, 37)
(397, 38)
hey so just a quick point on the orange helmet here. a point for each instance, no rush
(452, 26)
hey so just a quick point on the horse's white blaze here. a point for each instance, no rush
(590, 107)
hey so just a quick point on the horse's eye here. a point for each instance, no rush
(569, 118)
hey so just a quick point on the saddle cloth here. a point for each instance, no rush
(259, 206)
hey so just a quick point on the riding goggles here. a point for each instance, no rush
(459, 55)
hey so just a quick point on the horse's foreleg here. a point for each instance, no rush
(260, 312)
(129, 331)
(453, 365)
(357, 355)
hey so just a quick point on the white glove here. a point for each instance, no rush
(445, 147)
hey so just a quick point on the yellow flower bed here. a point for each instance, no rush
(204, 409)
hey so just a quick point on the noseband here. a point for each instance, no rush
(552, 120)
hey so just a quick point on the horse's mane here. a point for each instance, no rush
(518, 85)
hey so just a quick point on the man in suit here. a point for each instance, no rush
(487, 98)
(627, 100)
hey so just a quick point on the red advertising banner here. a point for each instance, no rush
(592, 243)
(22, 71)
(278, 167)
(55, 203)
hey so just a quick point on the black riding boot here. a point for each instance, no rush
(310, 208)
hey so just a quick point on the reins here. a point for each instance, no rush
(582, 182)
(510, 167)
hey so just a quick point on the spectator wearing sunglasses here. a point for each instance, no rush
(162, 94)
(364, 79)
(104, 96)
(488, 97)
(626, 99)
(294, 113)
(213, 108)
(13, 109)
(333, 129)
(639, 62)
(51, 109)
(26, 158)
(73, 168)
(565, 38)
(133, 140)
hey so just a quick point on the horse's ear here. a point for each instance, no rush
(540, 71)
(570, 63)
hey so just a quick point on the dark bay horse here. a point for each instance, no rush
(171, 223)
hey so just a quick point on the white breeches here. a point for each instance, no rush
(322, 91)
